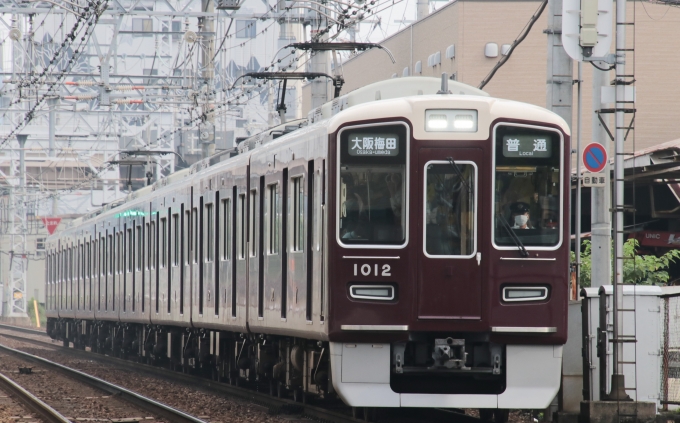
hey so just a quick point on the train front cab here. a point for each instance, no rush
(440, 298)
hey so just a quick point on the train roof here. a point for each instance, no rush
(398, 97)
(489, 108)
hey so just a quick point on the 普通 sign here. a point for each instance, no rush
(527, 146)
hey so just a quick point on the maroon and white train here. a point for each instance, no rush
(410, 251)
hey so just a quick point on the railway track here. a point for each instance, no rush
(30, 401)
(125, 406)
(273, 404)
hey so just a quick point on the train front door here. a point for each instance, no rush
(449, 272)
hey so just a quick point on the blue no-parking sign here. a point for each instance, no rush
(595, 157)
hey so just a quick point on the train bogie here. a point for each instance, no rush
(404, 253)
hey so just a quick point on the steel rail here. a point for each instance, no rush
(207, 385)
(214, 387)
(22, 329)
(157, 408)
(49, 414)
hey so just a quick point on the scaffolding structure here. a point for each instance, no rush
(111, 95)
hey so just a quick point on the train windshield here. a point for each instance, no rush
(527, 187)
(373, 196)
(450, 189)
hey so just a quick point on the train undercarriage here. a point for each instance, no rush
(427, 371)
(286, 366)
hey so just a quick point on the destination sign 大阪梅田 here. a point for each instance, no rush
(385, 145)
(527, 146)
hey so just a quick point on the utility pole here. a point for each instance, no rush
(422, 9)
(560, 69)
(287, 60)
(319, 61)
(601, 226)
(18, 260)
(618, 385)
(559, 90)
(207, 129)
(51, 133)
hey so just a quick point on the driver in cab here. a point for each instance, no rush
(520, 215)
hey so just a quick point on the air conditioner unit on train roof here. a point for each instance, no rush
(390, 89)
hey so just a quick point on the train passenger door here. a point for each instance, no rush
(449, 272)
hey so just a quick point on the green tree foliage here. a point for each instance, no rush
(637, 269)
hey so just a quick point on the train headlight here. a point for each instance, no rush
(450, 120)
(437, 122)
(525, 293)
(464, 122)
(372, 292)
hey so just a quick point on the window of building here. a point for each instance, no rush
(142, 25)
(246, 28)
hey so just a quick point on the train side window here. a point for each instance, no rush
(88, 259)
(111, 255)
(272, 219)
(241, 229)
(194, 235)
(175, 240)
(139, 249)
(131, 251)
(210, 232)
(183, 227)
(187, 237)
(225, 210)
(163, 242)
(252, 222)
(147, 231)
(298, 194)
(215, 241)
(102, 255)
(152, 245)
(91, 261)
(527, 187)
(120, 252)
(79, 270)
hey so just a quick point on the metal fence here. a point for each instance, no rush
(670, 368)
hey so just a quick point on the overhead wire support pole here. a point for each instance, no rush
(577, 229)
(618, 384)
(207, 129)
(18, 260)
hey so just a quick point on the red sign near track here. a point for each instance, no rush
(595, 157)
(51, 223)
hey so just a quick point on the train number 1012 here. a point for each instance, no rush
(367, 269)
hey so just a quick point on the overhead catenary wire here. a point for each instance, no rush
(523, 34)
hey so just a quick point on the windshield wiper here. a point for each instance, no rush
(459, 174)
(513, 235)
